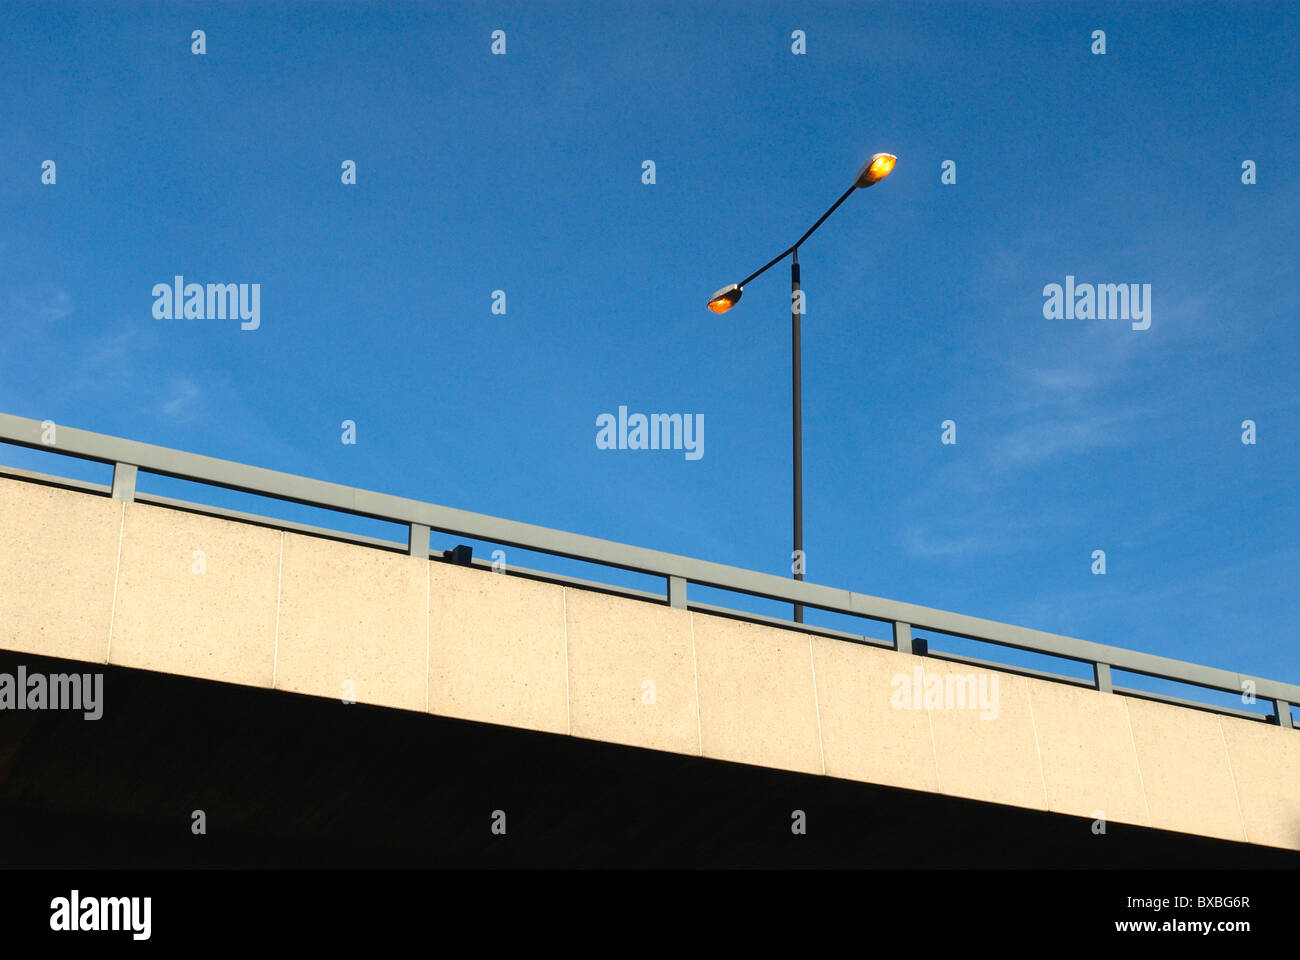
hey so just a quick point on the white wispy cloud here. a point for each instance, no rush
(183, 398)
(39, 306)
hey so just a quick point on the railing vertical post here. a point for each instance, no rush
(417, 540)
(124, 475)
(902, 637)
(1283, 713)
(1101, 676)
(677, 592)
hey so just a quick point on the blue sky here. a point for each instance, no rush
(523, 173)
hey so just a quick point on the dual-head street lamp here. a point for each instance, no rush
(873, 171)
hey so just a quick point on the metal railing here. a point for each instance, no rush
(129, 456)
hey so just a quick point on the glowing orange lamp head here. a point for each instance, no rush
(875, 169)
(726, 298)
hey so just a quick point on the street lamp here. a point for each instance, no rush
(873, 171)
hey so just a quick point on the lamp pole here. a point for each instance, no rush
(796, 364)
(873, 171)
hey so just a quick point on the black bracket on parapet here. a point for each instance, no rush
(460, 554)
(904, 642)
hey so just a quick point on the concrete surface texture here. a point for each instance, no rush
(89, 578)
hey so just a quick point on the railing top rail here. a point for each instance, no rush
(165, 461)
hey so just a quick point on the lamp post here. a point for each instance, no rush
(873, 171)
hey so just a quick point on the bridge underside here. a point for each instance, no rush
(294, 781)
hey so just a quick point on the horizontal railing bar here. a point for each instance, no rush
(766, 620)
(1007, 668)
(627, 592)
(394, 546)
(630, 593)
(1184, 702)
(261, 520)
(361, 539)
(321, 493)
(390, 545)
(1085, 651)
(83, 486)
(1080, 682)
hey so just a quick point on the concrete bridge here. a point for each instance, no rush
(448, 652)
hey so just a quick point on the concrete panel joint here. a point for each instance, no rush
(124, 481)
